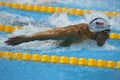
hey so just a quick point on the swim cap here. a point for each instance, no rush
(98, 24)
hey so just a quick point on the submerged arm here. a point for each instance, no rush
(55, 34)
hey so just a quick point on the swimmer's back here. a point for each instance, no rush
(72, 31)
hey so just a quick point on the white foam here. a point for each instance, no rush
(60, 20)
(10, 18)
(92, 45)
(115, 22)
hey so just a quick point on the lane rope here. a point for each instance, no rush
(100, 63)
(51, 9)
(10, 29)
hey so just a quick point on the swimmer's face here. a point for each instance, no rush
(101, 37)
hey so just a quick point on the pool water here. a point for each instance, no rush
(27, 70)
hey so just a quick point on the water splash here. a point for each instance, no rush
(60, 20)
(115, 22)
(7, 18)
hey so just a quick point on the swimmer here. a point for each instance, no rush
(98, 30)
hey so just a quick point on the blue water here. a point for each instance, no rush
(27, 70)
(103, 5)
(12, 70)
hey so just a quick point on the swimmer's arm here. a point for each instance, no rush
(47, 35)
(55, 34)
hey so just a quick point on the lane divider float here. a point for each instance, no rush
(114, 36)
(100, 63)
(10, 29)
(51, 9)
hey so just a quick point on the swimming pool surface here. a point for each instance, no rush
(28, 70)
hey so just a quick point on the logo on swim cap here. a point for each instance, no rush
(98, 24)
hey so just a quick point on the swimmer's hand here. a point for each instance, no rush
(16, 40)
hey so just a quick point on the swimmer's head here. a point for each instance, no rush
(98, 24)
(101, 29)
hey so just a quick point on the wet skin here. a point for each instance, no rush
(70, 34)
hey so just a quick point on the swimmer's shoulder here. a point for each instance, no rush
(78, 25)
(82, 26)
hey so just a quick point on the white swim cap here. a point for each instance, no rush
(98, 24)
